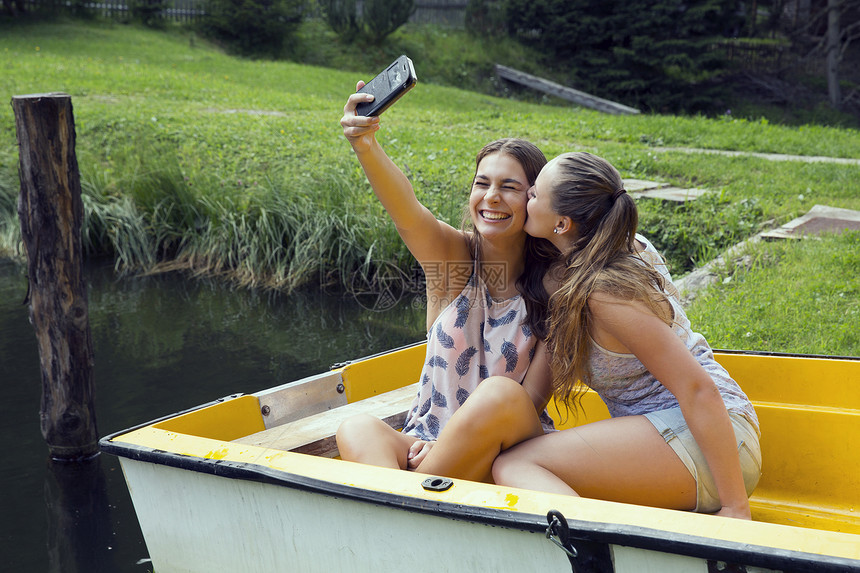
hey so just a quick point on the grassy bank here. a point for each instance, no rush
(194, 160)
(812, 286)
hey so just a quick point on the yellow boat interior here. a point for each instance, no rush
(809, 409)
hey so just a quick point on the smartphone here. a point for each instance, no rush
(388, 87)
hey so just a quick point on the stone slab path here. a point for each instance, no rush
(653, 190)
(819, 219)
(768, 156)
(650, 189)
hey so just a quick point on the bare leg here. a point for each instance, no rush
(622, 459)
(367, 439)
(498, 415)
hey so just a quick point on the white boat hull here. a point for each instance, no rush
(277, 528)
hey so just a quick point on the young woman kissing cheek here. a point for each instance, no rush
(542, 221)
(498, 198)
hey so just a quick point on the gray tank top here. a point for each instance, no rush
(628, 388)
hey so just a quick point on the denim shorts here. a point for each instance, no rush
(672, 426)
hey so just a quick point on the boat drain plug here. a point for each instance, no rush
(437, 483)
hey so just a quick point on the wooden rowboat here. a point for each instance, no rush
(251, 483)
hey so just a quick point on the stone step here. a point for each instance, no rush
(819, 219)
(639, 188)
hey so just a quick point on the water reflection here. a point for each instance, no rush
(162, 344)
(79, 525)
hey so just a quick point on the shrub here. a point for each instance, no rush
(12, 7)
(382, 17)
(377, 19)
(485, 16)
(252, 27)
(342, 17)
(148, 12)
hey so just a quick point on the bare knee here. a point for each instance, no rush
(498, 399)
(356, 435)
(499, 413)
(367, 439)
(357, 425)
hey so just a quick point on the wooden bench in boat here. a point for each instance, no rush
(315, 434)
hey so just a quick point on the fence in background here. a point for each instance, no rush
(176, 11)
(440, 12)
(769, 58)
(446, 13)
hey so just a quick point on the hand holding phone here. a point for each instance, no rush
(387, 87)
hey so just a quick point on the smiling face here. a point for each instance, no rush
(498, 199)
(542, 219)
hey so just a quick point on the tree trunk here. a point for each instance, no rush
(802, 12)
(754, 18)
(50, 210)
(834, 33)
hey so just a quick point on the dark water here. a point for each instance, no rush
(162, 344)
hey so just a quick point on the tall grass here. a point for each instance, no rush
(280, 241)
(10, 230)
(698, 231)
(155, 219)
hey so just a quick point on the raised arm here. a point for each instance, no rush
(427, 238)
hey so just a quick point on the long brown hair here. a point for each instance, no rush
(532, 161)
(589, 190)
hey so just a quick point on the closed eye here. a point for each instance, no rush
(513, 185)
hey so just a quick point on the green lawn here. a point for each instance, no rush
(194, 159)
(803, 296)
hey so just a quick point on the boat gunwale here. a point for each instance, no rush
(341, 365)
(635, 536)
(783, 354)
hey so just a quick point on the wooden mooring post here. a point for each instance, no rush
(51, 211)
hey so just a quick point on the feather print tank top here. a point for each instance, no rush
(473, 338)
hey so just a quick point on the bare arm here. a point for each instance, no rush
(427, 238)
(538, 379)
(668, 359)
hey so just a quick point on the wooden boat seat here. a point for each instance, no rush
(315, 435)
